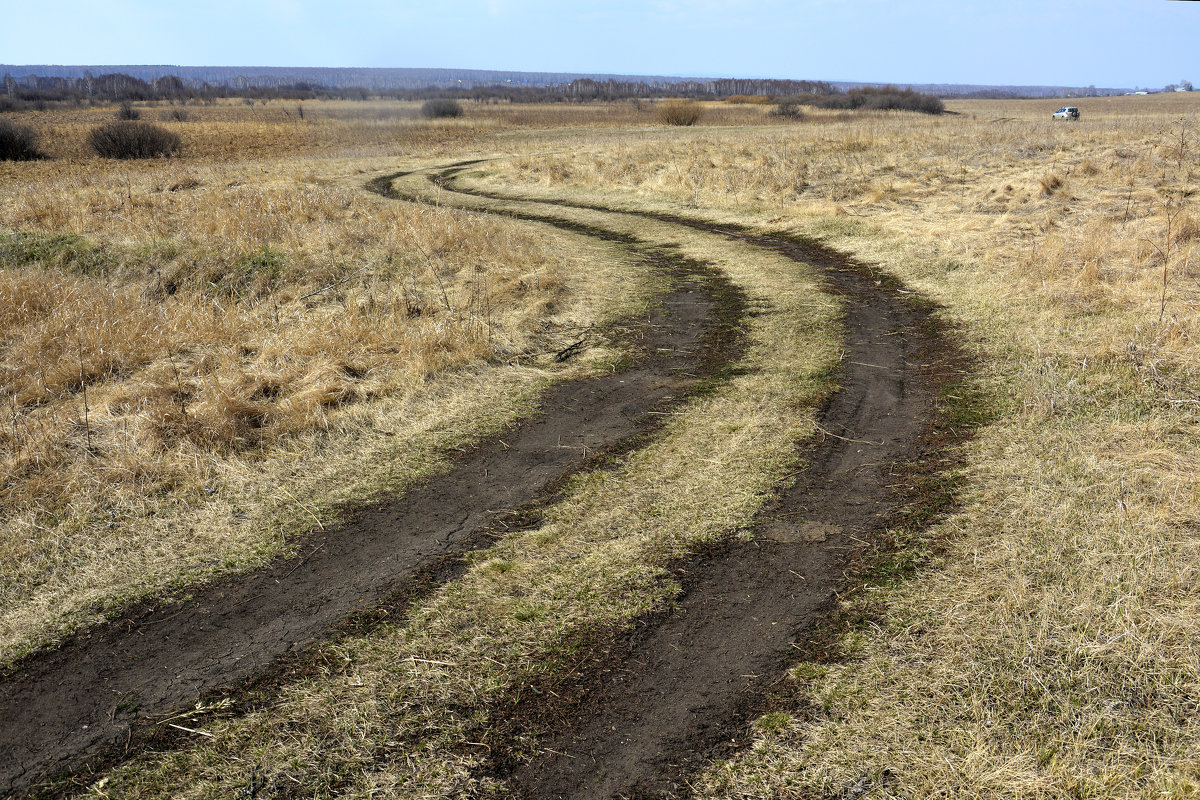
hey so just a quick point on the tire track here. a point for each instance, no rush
(645, 713)
(76, 709)
(648, 713)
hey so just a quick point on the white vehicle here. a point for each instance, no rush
(1066, 112)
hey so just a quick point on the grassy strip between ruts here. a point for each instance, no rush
(1050, 650)
(406, 709)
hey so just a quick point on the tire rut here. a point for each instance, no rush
(76, 709)
(650, 711)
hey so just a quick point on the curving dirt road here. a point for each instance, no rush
(639, 717)
(647, 714)
(84, 700)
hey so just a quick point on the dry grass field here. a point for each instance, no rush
(1045, 646)
(187, 343)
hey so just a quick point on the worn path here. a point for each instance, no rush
(643, 715)
(58, 709)
(647, 714)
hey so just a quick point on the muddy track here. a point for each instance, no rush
(640, 716)
(649, 712)
(93, 701)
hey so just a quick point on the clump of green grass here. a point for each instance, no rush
(62, 250)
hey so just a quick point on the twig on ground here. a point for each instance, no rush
(844, 439)
(190, 730)
(333, 285)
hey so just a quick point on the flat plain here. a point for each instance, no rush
(209, 360)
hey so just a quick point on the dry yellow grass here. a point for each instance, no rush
(1047, 651)
(1050, 651)
(169, 328)
(390, 714)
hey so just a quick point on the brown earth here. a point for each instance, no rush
(682, 688)
(84, 700)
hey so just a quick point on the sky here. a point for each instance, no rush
(1105, 43)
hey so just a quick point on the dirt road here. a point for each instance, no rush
(644, 714)
(84, 700)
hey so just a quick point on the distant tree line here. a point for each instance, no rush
(40, 92)
(587, 89)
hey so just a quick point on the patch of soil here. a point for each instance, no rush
(85, 701)
(652, 709)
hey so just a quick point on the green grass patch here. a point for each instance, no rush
(61, 250)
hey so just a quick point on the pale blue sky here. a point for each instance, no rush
(1145, 43)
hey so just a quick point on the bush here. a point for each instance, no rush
(131, 139)
(886, 98)
(18, 143)
(679, 112)
(439, 109)
(127, 111)
(788, 109)
(175, 115)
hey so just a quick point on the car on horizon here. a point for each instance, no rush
(1066, 112)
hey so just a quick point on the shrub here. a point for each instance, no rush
(788, 109)
(127, 111)
(886, 98)
(175, 115)
(679, 112)
(441, 108)
(132, 139)
(18, 143)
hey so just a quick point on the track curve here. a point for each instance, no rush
(78, 707)
(646, 713)
(649, 713)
